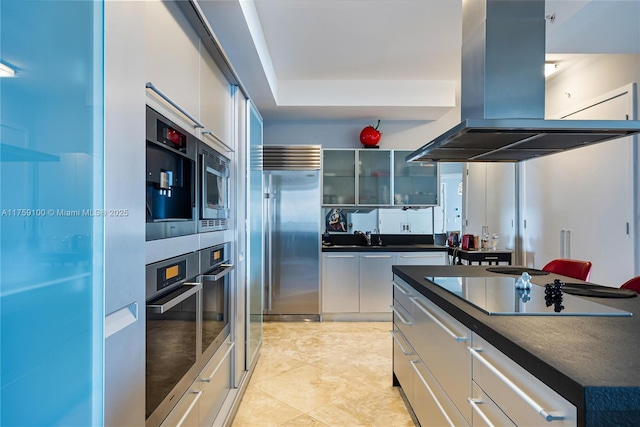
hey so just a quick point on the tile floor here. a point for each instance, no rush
(324, 374)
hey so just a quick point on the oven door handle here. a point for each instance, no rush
(163, 308)
(226, 270)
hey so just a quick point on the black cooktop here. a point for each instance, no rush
(499, 296)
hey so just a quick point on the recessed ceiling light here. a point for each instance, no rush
(6, 71)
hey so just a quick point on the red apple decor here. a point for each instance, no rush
(370, 136)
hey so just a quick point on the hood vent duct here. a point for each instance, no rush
(503, 91)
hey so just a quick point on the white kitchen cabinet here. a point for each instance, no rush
(216, 103)
(421, 258)
(526, 400)
(376, 293)
(172, 55)
(340, 282)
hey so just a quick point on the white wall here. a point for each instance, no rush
(588, 78)
(591, 191)
(396, 134)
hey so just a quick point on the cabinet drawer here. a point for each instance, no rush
(430, 403)
(185, 413)
(215, 382)
(402, 354)
(441, 342)
(422, 258)
(403, 320)
(402, 293)
(485, 412)
(524, 399)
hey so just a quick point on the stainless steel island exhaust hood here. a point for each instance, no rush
(503, 90)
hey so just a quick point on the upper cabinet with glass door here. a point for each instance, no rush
(414, 183)
(374, 177)
(339, 177)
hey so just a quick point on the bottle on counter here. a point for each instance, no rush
(326, 237)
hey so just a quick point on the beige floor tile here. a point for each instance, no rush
(324, 374)
(258, 409)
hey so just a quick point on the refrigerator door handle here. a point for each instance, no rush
(269, 201)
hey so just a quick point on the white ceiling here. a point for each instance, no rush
(386, 59)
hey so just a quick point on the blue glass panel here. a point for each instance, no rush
(51, 145)
(256, 243)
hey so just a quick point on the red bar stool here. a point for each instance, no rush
(577, 269)
(633, 284)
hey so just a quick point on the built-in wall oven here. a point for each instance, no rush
(173, 333)
(188, 320)
(215, 268)
(170, 178)
(214, 189)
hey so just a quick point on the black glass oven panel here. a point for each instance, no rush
(171, 349)
(499, 296)
(215, 191)
(167, 276)
(215, 311)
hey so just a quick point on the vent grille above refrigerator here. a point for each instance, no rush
(291, 157)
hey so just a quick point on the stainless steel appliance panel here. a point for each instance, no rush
(292, 212)
(170, 178)
(173, 333)
(216, 308)
(214, 197)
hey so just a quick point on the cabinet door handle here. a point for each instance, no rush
(190, 408)
(213, 374)
(435, 399)
(339, 256)
(437, 322)
(376, 256)
(420, 256)
(474, 405)
(548, 416)
(401, 289)
(395, 338)
(400, 316)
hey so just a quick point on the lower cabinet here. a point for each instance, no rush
(433, 365)
(376, 292)
(520, 396)
(441, 342)
(453, 377)
(201, 404)
(421, 258)
(340, 283)
(359, 282)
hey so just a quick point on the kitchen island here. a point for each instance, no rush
(590, 361)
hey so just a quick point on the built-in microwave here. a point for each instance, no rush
(214, 189)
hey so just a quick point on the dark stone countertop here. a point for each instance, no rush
(592, 361)
(416, 247)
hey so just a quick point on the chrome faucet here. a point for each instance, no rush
(366, 235)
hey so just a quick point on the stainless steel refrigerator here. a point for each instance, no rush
(292, 226)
